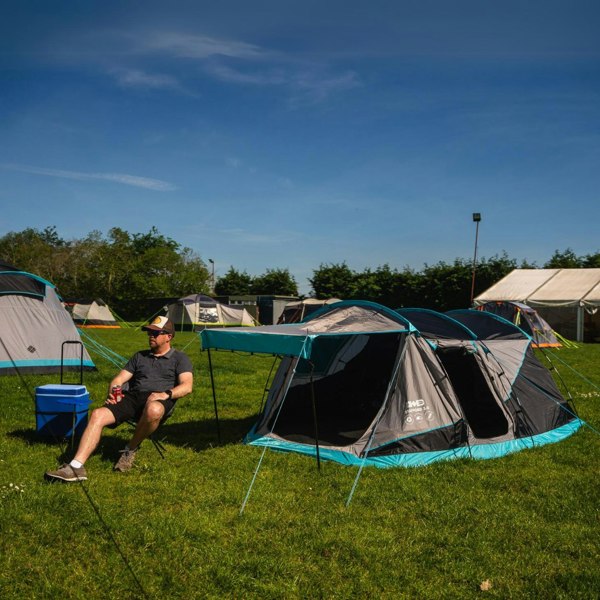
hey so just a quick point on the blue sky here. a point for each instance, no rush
(289, 134)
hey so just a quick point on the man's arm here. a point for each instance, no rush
(185, 383)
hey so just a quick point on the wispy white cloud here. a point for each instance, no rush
(198, 46)
(313, 88)
(275, 76)
(123, 178)
(171, 60)
(139, 78)
(233, 162)
(306, 84)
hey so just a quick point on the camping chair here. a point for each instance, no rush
(153, 437)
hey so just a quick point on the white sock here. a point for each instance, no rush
(76, 464)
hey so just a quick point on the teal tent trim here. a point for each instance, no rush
(68, 362)
(418, 459)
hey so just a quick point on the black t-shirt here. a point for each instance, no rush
(157, 374)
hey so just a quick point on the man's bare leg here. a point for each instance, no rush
(148, 423)
(101, 417)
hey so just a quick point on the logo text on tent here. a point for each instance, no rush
(416, 403)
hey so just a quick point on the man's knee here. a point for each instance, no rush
(101, 417)
(154, 411)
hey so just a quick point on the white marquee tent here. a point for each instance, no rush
(567, 298)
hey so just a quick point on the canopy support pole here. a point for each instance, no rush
(314, 409)
(288, 378)
(212, 383)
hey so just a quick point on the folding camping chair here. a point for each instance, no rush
(153, 437)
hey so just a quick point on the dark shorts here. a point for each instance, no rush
(132, 407)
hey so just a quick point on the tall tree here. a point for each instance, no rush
(278, 282)
(592, 261)
(233, 283)
(334, 280)
(564, 260)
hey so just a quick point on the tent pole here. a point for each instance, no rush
(580, 324)
(388, 394)
(314, 408)
(288, 378)
(212, 383)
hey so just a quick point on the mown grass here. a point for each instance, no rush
(529, 523)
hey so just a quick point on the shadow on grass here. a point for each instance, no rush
(196, 435)
(201, 435)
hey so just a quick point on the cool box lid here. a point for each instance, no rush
(60, 389)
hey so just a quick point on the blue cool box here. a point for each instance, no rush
(61, 410)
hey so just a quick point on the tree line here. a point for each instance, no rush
(126, 269)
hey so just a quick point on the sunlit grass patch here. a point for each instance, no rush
(527, 523)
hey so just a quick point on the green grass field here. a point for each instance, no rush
(528, 523)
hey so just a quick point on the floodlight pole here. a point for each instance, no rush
(476, 220)
(212, 276)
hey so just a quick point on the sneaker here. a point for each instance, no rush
(67, 473)
(125, 461)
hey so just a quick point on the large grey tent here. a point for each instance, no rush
(567, 298)
(35, 328)
(198, 311)
(359, 383)
(92, 313)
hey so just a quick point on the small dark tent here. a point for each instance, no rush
(527, 319)
(362, 384)
(34, 326)
(294, 312)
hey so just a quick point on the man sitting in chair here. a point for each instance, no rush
(155, 379)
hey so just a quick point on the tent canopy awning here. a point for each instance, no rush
(340, 319)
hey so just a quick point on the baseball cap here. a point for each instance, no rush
(161, 324)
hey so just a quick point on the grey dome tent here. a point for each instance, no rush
(527, 319)
(92, 314)
(34, 325)
(197, 311)
(361, 384)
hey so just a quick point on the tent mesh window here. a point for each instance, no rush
(479, 405)
(347, 395)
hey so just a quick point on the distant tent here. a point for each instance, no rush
(34, 325)
(293, 312)
(91, 313)
(361, 384)
(198, 311)
(527, 319)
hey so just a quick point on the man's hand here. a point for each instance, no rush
(158, 396)
(112, 400)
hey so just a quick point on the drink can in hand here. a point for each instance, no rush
(117, 392)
